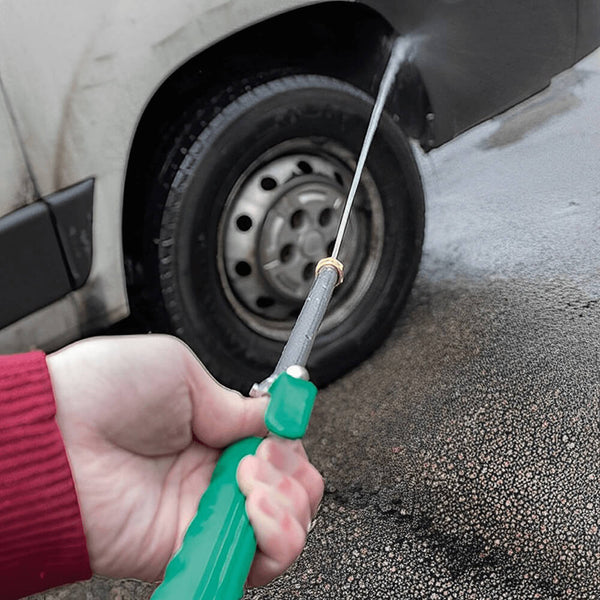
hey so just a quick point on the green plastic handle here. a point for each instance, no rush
(218, 548)
(219, 545)
(290, 407)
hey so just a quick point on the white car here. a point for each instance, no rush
(185, 161)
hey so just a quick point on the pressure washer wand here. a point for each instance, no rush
(330, 271)
(219, 546)
(328, 274)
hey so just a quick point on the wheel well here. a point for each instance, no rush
(346, 40)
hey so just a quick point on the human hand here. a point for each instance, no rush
(142, 422)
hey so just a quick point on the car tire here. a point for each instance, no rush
(228, 267)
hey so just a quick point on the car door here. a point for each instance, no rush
(480, 57)
(33, 271)
(16, 185)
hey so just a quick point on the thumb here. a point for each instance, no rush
(222, 416)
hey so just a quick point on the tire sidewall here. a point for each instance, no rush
(293, 107)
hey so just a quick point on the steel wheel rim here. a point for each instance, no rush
(280, 218)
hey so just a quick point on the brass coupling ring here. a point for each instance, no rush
(331, 262)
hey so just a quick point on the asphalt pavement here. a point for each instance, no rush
(462, 460)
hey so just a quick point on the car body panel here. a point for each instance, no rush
(588, 27)
(16, 185)
(478, 58)
(77, 87)
(80, 100)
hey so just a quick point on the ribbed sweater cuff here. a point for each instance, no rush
(42, 543)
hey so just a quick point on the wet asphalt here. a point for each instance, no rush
(463, 460)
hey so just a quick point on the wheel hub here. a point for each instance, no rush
(281, 218)
(298, 231)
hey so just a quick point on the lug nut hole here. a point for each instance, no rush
(243, 269)
(268, 184)
(309, 271)
(339, 178)
(304, 167)
(244, 223)
(286, 253)
(325, 217)
(264, 302)
(297, 219)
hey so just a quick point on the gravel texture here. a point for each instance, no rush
(462, 460)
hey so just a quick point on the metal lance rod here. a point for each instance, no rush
(398, 55)
(302, 337)
(329, 272)
(298, 348)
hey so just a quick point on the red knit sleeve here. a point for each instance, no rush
(42, 543)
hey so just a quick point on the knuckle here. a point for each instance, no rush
(319, 482)
(312, 477)
(287, 486)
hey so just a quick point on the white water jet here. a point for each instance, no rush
(399, 54)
